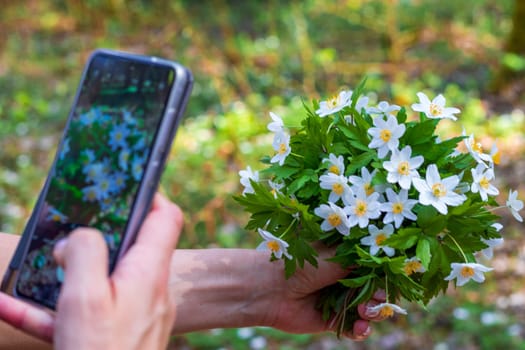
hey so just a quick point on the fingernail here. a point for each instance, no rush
(367, 332)
(369, 312)
(58, 249)
(380, 294)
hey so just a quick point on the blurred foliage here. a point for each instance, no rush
(250, 57)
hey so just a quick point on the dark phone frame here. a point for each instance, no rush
(169, 122)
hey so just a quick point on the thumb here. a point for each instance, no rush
(84, 258)
(85, 298)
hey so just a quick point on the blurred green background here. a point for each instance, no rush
(250, 57)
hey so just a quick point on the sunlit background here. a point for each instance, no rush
(252, 57)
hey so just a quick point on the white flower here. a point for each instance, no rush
(385, 135)
(118, 181)
(123, 159)
(398, 207)
(364, 182)
(88, 118)
(277, 124)
(436, 192)
(95, 171)
(377, 238)
(384, 310)
(334, 104)
(361, 208)
(413, 265)
(55, 215)
(275, 187)
(336, 164)
(246, 176)
(491, 243)
(476, 150)
(515, 205)
(273, 244)
(334, 217)
(464, 272)
(117, 136)
(65, 149)
(434, 109)
(104, 186)
(402, 168)
(281, 144)
(481, 182)
(337, 184)
(88, 156)
(140, 144)
(362, 103)
(137, 167)
(384, 108)
(90, 193)
(495, 154)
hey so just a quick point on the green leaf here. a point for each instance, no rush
(401, 116)
(357, 281)
(423, 252)
(360, 161)
(404, 238)
(418, 133)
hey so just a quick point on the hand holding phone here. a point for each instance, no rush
(107, 166)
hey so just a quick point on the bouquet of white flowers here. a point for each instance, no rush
(406, 211)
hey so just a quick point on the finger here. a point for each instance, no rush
(380, 295)
(364, 311)
(84, 258)
(159, 233)
(360, 331)
(327, 272)
(27, 318)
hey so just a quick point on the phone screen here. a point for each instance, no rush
(99, 166)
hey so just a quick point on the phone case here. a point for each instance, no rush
(158, 151)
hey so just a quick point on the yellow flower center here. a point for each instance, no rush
(56, 217)
(484, 183)
(273, 191)
(438, 190)
(338, 188)
(118, 136)
(380, 239)
(476, 146)
(403, 168)
(386, 311)
(385, 135)
(435, 110)
(91, 195)
(369, 189)
(104, 185)
(334, 169)
(282, 148)
(496, 158)
(360, 208)
(334, 220)
(333, 102)
(412, 267)
(467, 272)
(273, 246)
(397, 208)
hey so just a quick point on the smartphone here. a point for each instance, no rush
(107, 166)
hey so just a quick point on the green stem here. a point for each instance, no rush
(288, 228)
(459, 247)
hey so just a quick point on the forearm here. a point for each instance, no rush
(223, 288)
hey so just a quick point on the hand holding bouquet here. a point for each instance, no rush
(406, 211)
